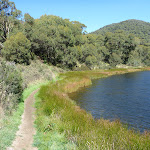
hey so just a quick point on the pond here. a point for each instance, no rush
(125, 97)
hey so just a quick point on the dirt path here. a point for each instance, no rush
(24, 137)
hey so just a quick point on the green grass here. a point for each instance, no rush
(32, 88)
(9, 125)
(118, 69)
(58, 116)
(54, 140)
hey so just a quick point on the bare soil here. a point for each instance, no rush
(24, 136)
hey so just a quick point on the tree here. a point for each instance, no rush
(134, 59)
(71, 57)
(8, 18)
(140, 56)
(115, 59)
(17, 49)
(91, 61)
(54, 39)
(28, 25)
(87, 50)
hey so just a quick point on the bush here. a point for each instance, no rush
(115, 59)
(10, 86)
(135, 60)
(91, 61)
(17, 49)
(37, 71)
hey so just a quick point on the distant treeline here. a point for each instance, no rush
(64, 43)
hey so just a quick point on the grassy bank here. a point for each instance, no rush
(59, 116)
(9, 125)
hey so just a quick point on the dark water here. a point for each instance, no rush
(125, 97)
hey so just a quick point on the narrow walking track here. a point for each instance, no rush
(24, 137)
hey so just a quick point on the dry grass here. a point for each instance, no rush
(37, 71)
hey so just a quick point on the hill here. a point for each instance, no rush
(140, 28)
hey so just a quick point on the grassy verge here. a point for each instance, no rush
(59, 116)
(54, 140)
(9, 125)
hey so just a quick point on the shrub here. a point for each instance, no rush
(10, 86)
(91, 61)
(37, 71)
(17, 49)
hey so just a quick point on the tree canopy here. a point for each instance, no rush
(17, 49)
(66, 44)
(9, 16)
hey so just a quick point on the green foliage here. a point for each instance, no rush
(61, 42)
(17, 49)
(137, 27)
(54, 39)
(28, 25)
(10, 86)
(8, 18)
(90, 61)
(134, 59)
(115, 59)
(64, 43)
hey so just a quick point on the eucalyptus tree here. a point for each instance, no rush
(28, 25)
(9, 16)
(55, 40)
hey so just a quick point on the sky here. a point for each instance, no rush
(93, 13)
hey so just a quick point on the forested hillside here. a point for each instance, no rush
(64, 43)
(137, 27)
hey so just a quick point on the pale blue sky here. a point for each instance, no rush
(93, 13)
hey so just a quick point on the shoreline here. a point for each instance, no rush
(57, 112)
(117, 119)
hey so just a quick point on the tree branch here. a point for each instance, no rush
(1, 45)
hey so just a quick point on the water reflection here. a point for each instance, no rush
(125, 97)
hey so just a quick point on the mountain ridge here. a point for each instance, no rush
(138, 27)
